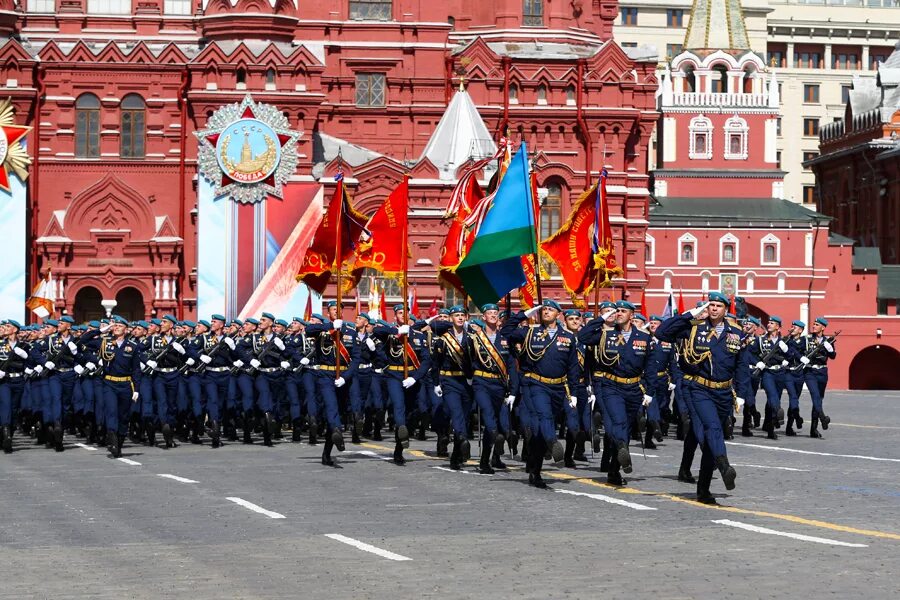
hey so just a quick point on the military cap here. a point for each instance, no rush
(607, 304)
(218, 317)
(156, 322)
(588, 315)
(774, 319)
(456, 309)
(731, 315)
(822, 321)
(142, 324)
(799, 323)
(120, 320)
(489, 306)
(550, 303)
(268, 315)
(171, 318)
(298, 320)
(205, 323)
(252, 321)
(237, 322)
(67, 319)
(477, 321)
(640, 317)
(444, 311)
(317, 316)
(398, 307)
(14, 323)
(190, 324)
(718, 297)
(281, 322)
(365, 316)
(572, 312)
(51, 323)
(656, 318)
(331, 304)
(754, 320)
(625, 304)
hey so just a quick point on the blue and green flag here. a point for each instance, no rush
(493, 266)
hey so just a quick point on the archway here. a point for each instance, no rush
(875, 368)
(130, 304)
(757, 312)
(87, 305)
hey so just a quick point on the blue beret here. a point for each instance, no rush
(331, 303)
(625, 304)
(203, 322)
(398, 307)
(95, 324)
(572, 312)
(365, 316)
(754, 320)
(52, 322)
(444, 311)
(718, 297)
(317, 316)
(237, 322)
(774, 319)
(120, 320)
(699, 304)
(588, 315)
(799, 324)
(190, 324)
(730, 315)
(142, 324)
(822, 321)
(67, 319)
(607, 304)
(382, 322)
(640, 317)
(489, 306)
(281, 322)
(656, 318)
(477, 321)
(218, 317)
(171, 318)
(268, 315)
(132, 324)
(550, 303)
(252, 321)
(457, 308)
(156, 322)
(14, 324)
(297, 320)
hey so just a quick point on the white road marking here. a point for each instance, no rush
(368, 453)
(794, 450)
(255, 508)
(366, 547)
(770, 467)
(85, 446)
(608, 499)
(795, 536)
(176, 478)
(460, 471)
(128, 461)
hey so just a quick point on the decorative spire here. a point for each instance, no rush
(460, 135)
(717, 25)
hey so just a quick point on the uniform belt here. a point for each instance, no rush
(268, 369)
(774, 368)
(327, 367)
(14, 375)
(365, 366)
(453, 374)
(116, 379)
(715, 385)
(395, 367)
(548, 380)
(662, 373)
(816, 366)
(218, 369)
(64, 369)
(486, 375)
(617, 379)
(165, 370)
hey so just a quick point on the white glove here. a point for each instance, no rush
(238, 363)
(178, 347)
(647, 400)
(695, 312)
(337, 324)
(229, 342)
(784, 363)
(339, 382)
(105, 327)
(469, 381)
(510, 400)
(804, 360)
(828, 347)
(2, 374)
(783, 346)
(205, 359)
(403, 330)
(738, 405)
(255, 363)
(49, 365)
(438, 391)
(278, 343)
(304, 361)
(152, 364)
(573, 402)
(29, 371)
(72, 348)
(671, 387)
(285, 364)
(409, 382)
(190, 362)
(760, 365)
(90, 366)
(379, 371)
(592, 399)
(143, 366)
(38, 369)
(370, 344)
(20, 353)
(606, 314)
(134, 397)
(534, 310)
(78, 370)
(430, 319)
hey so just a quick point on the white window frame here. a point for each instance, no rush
(41, 6)
(749, 282)
(687, 239)
(782, 281)
(736, 126)
(770, 239)
(650, 259)
(729, 238)
(178, 7)
(704, 282)
(667, 280)
(701, 124)
(109, 7)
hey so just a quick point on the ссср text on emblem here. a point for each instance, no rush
(248, 151)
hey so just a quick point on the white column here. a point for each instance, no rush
(165, 288)
(865, 58)
(157, 283)
(827, 56)
(790, 55)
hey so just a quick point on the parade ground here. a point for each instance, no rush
(808, 517)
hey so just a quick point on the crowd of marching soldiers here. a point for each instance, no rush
(558, 383)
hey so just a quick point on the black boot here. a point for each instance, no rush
(326, 452)
(443, 443)
(814, 426)
(537, 463)
(648, 437)
(167, 436)
(756, 417)
(195, 430)
(745, 426)
(58, 436)
(313, 431)
(456, 455)
(150, 430)
(6, 436)
(215, 434)
(337, 438)
(798, 420)
(614, 476)
(727, 471)
(704, 496)
(487, 446)
(780, 415)
(580, 440)
(568, 461)
(513, 442)
(112, 443)
(422, 428)
(789, 430)
(825, 419)
(556, 451)
(268, 427)
(606, 455)
(398, 454)
(296, 431)
(498, 452)
(623, 456)
(377, 425)
(684, 476)
(403, 436)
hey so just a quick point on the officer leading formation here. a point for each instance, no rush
(535, 385)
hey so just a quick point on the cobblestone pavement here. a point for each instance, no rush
(808, 518)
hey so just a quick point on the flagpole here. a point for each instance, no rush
(537, 236)
(339, 296)
(405, 263)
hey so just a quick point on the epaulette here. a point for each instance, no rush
(697, 321)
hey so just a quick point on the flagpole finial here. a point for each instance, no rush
(462, 83)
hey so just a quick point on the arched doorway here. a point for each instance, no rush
(875, 368)
(87, 305)
(130, 304)
(757, 312)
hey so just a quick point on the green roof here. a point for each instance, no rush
(758, 211)
(836, 239)
(889, 282)
(866, 258)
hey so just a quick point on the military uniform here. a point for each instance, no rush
(14, 359)
(453, 371)
(818, 350)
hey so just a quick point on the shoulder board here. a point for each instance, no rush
(697, 321)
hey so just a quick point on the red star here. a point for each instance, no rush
(13, 133)
(214, 139)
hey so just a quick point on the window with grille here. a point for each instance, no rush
(87, 126)
(370, 89)
(133, 133)
(370, 10)
(533, 13)
(700, 138)
(109, 7)
(809, 194)
(629, 16)
(771, 250)
(675, 17)
(810, 127)
(177, 7)
(811, 93)
(736, 131)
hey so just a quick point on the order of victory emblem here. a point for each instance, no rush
(248, 151)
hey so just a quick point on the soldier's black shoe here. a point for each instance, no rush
(756, 417)
(268, 428)
(326, 458)
(403, 436)
(771, 435)
(798, 419)
(790, 432)
(826, 420)
(296, 434)
(513, 443)
(398, 455)
(442, 444)
(597, 443)
(624, 457)
(615, 478)
(215, 434)
(780, 415)
(58, 437)
(465, 450)
(705, 497)
(485, 468)
(354, 437)
(642, 422)
(167, 436)
(684, 476)
(556, 451)
(727, 471)
(112, 442)
(337, 438)
(745, 431)
(496, 462)
(537, 481)
(7, 439)
(313, 431)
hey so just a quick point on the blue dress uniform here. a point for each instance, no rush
(14, 359)
(375, 401)
(167, 382)
(819, 350)
(620, 381)
(402, 391)
(793, 379)
(773, 352)
(750, 356)
(548, 362)
(121, 378)
(362, 383)
(453, 369)
(297, 349)
(662, 357)
(268, 349)
(214, 373)
(59, 361)
(713, 373)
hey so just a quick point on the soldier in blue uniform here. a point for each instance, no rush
(262, 356)
(817, 350)
(716, 380)
(242, 381)
(793, 377)
(161, 357)
(59, 367)
(750, 356)
(773, 352)
(295, 340)
(620, 356)
(15, 357)
(454, 375)
(214, 360)
(362, 383)
(662, 358)
(548, 361)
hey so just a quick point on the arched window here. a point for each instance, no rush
(719, 79)
(690, 80)
(542, 94)
(736, 138)
(570, 95)
(770, 250)
(728, 249)
(551, 215)
(533, 13)
(513, 93)
(270, 78)
(749, 283)
(687, 250)
(241, 78)
(700, 138)
(133, 134)
(87, 126)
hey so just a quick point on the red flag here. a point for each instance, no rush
(307, 312)
(383, 305)
(458, 235)
(384, 250)
(414, 303)
(433, 310)
(320, 259)
(732, 308)
(681, 308)
(644, 302)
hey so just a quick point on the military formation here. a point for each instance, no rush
(536, 385)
